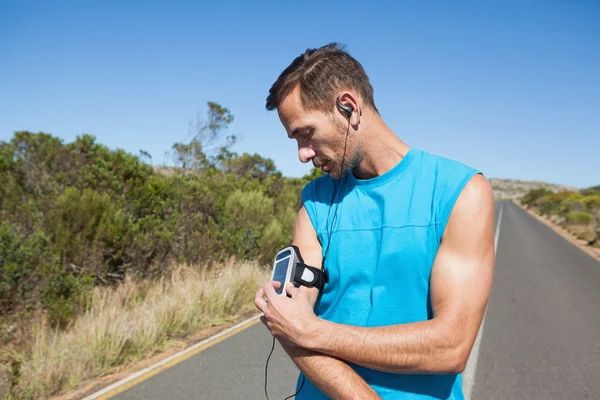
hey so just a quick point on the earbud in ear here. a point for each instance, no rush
(346, 109)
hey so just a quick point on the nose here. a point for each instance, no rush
(305, 153)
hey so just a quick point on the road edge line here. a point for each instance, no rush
(148, 372)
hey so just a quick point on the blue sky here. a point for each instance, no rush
(509, 87)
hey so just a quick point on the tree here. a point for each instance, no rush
(208, 141)
(247, 165)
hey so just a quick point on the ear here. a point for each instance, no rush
(349, 100)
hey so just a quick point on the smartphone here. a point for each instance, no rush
(283, 268)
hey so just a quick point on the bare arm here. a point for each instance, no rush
(332, 376)
(461, 280)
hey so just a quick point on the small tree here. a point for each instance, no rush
(208, 140)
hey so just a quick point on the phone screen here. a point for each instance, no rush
(281, 268)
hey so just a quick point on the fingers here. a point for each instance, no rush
(259, 301)
(292, 290)
(269, 289)
(264, 320)
(267, 323)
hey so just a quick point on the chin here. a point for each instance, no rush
(334, 175)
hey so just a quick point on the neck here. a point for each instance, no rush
(382, 150)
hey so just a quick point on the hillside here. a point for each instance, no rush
(513, 189)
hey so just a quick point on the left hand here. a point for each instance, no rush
(289, 319)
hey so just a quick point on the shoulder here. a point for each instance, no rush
(475, 199)
(450, 181)
(445, 177)
(444, 165)
(472, 216)
(470, 228)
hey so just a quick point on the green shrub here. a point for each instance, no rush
(24, 261)
(64, 295)
(546, 206)
(246, 216)
(592, 202)
(572, 204)
(271, 241)
(591, 191)
(77, 214)
(558, 198)
(535, 194)
(578, 218)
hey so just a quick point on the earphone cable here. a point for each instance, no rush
(267, 366)
(329, 232)
(299, 389)
(266, 374)
(333, 220)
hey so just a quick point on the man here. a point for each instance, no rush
(405, 237)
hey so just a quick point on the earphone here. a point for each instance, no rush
(347, 109)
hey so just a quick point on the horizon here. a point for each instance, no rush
(512, 89)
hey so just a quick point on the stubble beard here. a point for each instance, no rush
(350, 160)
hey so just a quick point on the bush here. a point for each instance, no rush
(24, 262)
(546, 206)
(581, 224)
(572, 204)
(591, 191)
(578, 218)
(592, 202)
(558, 198)
(77, 214)
(247, 214)
(64, 295)
(534, 195)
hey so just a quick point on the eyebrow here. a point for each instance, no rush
(301, 130)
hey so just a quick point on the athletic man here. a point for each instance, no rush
(405, 237)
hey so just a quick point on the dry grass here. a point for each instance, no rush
(585, 232)
(130, 322)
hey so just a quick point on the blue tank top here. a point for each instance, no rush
(384, 240)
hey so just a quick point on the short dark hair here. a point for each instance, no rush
(321, 73)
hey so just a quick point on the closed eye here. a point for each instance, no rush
(306, 132)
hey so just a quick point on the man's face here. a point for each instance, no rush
(320, 136)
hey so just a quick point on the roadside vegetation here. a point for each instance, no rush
(576, 211)
(127, 323)
(511, 189)
(104, 258)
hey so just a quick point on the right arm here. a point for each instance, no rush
(332, 376)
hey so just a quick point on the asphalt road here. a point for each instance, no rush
(540, 338)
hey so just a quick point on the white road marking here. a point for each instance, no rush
(497, 235)
(471, 368)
